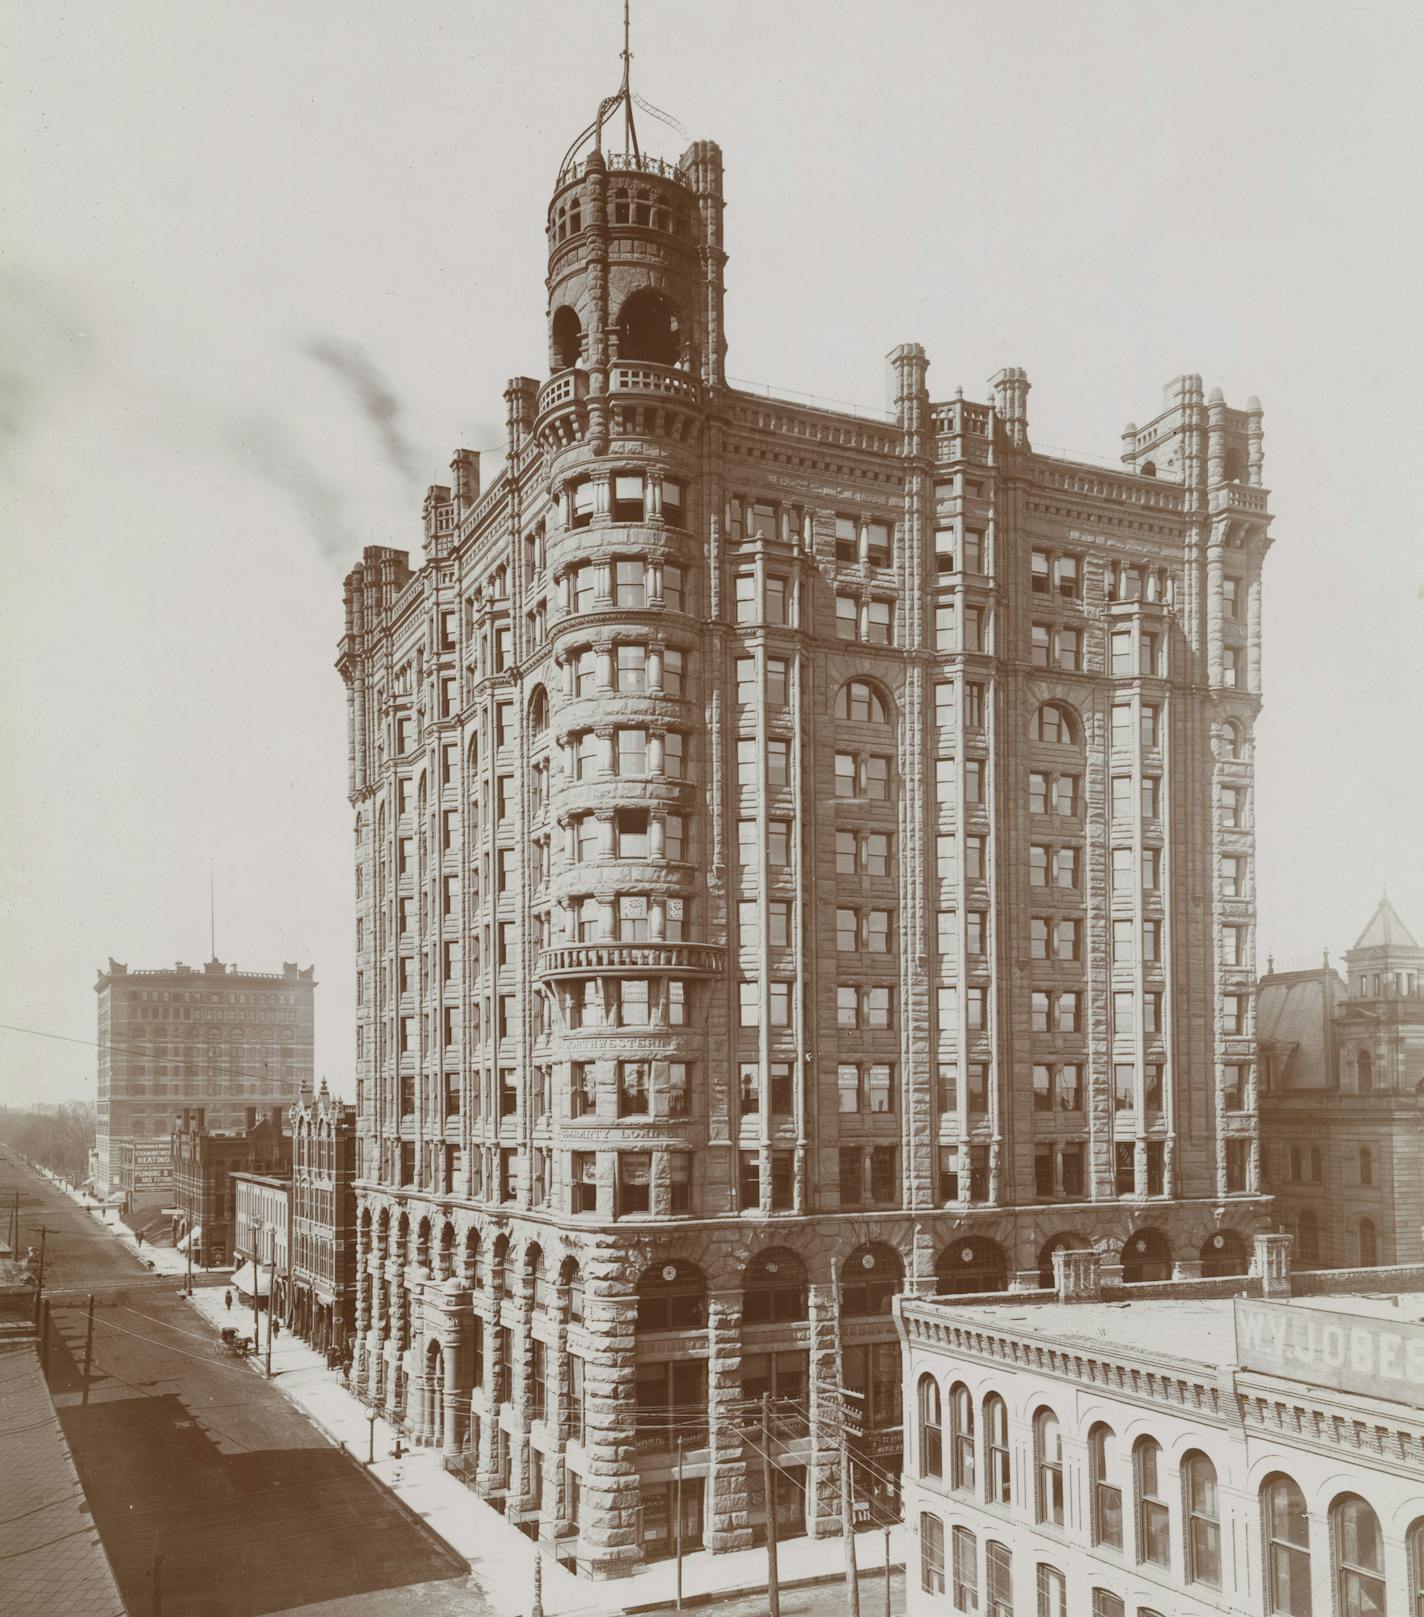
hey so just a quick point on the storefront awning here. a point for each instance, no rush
(195, 1235)
(243, 1280)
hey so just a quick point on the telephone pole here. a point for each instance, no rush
(88, 1351)
(773, 1589)
(271, 1293)
(677, 1523)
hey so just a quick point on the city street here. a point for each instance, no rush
(205, 1483)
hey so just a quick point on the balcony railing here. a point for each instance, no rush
(630, 377)
(1239, 497)
(631, 959)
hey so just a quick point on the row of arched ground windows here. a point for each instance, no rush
(1132, 1506)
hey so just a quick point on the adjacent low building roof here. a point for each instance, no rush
(50, 1555)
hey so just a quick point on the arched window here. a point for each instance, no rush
(999, 1579)
(1358, 1554)
(967, 1266)
(1369, 1244)
(1233, 739)
(996, 1450)
(571, 1280)
(931, 1428)
(1364, 1072)
(1153, 1516)
(870, 1277)
(931, 1554)
(774, 1289)
(1057, 723)
(1052, 1589)
(1233, 465)
(965, 1591)
(1149, 468)
(649, 330)
(1224, 1254)
(1048, 1468)
(1285, 1527)
(859, 700)
(672, 1297)
(567, 334)
(961, 1431)
(1307, 1239)
(1107, 1494)
(1146, 1256)
(538, 713)
(1203, 1519)
(1367, 1166)
(1414, 1553)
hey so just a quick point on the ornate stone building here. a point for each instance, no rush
(1342, 1100)
(799, 856)
(323, 1288)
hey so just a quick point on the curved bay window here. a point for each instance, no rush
(996, 1450)
(961, 1426)
(870, 1277)
(1048, 1468)
(774, 1290)
(1358, 1553)
(931, 1428)
(1285, 1527)
(1203, 1521)
(1153, 1515)
(672, 1297)
(1107, 1494)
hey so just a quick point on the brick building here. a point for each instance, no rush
(799, 855)
(209, 1036)
(323, 1268)
(1143, 1450)
(1342, 1100)
(204, 1161)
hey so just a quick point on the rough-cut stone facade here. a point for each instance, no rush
(720, 775)
(1342, 1107)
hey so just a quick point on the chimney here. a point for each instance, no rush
(200, 1118)
(1078, 1276)
(251, 1118)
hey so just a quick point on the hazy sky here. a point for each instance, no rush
(265, 266)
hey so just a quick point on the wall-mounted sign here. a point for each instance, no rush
(1361, 1353)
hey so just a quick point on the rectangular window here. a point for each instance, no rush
(1067, 939)
(946, 626)
(1069, 650)
(630, 752)
(632, 668)
(879, 622)
(846, 774)
(851, 1176)
(629, 587)
(635, 1178)
(884, 1190)
(847, 541)
(1040, 641)
(847, 617)
(1038, 788)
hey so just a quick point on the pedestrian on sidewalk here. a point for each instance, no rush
(227, 1301)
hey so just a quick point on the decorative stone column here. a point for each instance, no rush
(521, 1378)
(454, 1303)
(726, 1460)
(609, 1545)
(823, 1368)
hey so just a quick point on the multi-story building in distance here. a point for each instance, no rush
(209, 1036)
(1123, 1453)
(799, 855)
(1342, 1100)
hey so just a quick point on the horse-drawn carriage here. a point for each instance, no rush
(232, 1346)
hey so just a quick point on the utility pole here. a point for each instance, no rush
(190, 1260)
(256, 1317)
(677, 1523)
(371, 1443)
(773, 1589)
(848, 1530)
(44, 1231)
(271, 1294)
(887, 1569)
(88, 1350)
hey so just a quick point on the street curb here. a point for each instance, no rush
(713, 1596)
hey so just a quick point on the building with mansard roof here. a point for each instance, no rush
(800, 856)
(1342, 1104)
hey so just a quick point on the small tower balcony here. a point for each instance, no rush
(606, 959)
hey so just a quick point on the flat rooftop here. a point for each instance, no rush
(1187, 1329)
